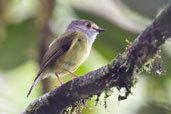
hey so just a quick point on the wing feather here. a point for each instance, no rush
(57, 49)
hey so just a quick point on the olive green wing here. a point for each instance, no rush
(56, 49)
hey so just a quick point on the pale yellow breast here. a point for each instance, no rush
(76, 55)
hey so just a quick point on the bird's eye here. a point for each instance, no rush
(88, 25)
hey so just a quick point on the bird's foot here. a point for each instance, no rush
(75, 75)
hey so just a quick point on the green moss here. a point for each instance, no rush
(128, 45)
(33, 106)
(154, 65)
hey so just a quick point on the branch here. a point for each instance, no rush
(120, 73)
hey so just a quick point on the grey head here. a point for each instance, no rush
(86, 26)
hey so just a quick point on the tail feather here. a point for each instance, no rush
(34, 84)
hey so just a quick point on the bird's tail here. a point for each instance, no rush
(34, 84)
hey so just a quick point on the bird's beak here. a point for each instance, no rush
(100, 30)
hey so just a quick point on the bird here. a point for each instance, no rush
(67, 52)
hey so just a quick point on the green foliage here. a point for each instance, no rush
(14, 48)
(20, 38)
(145, 8)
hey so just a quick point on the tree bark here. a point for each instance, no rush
(120, 73)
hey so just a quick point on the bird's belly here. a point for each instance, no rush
(73, 58)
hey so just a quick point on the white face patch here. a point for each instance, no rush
(92, 38)
(81, 25)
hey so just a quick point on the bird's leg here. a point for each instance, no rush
(60, 81)
(75, 75)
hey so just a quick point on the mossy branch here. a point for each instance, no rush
(120, 73)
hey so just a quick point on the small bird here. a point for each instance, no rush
(67, 52)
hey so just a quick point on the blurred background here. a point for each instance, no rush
(28, 26)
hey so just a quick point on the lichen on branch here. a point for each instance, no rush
(120, 73)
